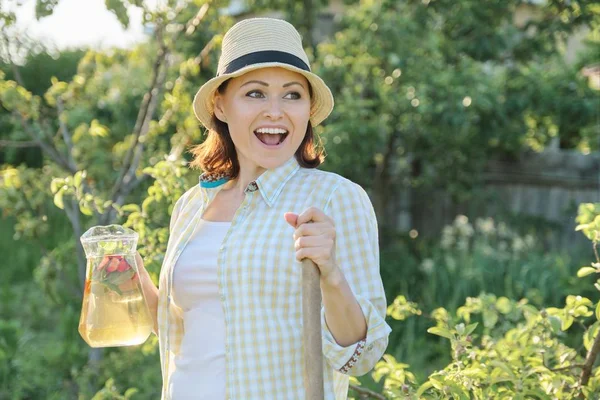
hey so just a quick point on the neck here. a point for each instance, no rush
(246, 175)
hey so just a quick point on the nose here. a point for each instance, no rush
(273, 109)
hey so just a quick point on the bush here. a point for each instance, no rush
(503, 348)
(470, 258)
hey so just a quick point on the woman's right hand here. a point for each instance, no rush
(150, 290)
(143, 273)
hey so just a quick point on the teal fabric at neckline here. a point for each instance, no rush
(213, 184)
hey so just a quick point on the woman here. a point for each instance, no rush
(229, 304)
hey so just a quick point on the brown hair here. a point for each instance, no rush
(217, 155)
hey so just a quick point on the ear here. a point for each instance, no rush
(218, 108)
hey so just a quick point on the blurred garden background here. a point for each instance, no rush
(474, 125)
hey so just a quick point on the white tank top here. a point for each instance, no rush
(199, 371)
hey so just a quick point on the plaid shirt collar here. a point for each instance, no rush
(270, 183)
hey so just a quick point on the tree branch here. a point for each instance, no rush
(65, 134)
(589, 362)
(17, 144)
(74, 215)
(132, 184)
(565, 368)
(193, 23)
(109, 214)
(127, 179)
(144, 113)
(592, 354)
(49, 149)
(139, 151)
(367, 393)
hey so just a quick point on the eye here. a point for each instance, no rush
(294, 95)
(255, 94)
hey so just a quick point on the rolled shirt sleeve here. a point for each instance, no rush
(357, 255)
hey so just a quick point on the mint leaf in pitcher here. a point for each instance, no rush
(115, 272)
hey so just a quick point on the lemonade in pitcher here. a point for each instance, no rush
(114, 310)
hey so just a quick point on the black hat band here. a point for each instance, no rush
(265, 56)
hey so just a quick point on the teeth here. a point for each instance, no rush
(272, 131)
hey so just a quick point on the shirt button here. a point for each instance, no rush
(370, 347)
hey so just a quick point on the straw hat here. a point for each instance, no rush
(259, 43)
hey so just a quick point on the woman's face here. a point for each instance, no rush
(267, 111)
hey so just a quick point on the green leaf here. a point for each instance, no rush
(501, 379)
(457, 390)
(119, 9)
(43, 8)
(590, 334)
(490, 318)
(423, 388)
(130, 392)
(54, 185)
(436, 330)
(585, 271)
(503, 305)
(504, 367)
(113, 287)
(58, 199)
(79, 175)
(129, 208)
(581, 227)
(567, 322)
(555, 323)
(85, 208)
(98, 130)
(598, 311)
(536, 393)
(118, 278)
(470, 328)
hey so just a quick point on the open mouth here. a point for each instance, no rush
(271, 136)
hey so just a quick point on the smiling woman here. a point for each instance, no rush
(229, 309)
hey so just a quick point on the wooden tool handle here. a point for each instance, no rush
(311, 331)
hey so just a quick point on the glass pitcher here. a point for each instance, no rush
(114, 311)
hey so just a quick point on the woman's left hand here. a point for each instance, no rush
(314, 238)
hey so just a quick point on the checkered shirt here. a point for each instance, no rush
(260, 283)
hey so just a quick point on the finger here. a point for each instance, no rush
(315, 229)
(313, 241)
(316, 254)
(291, 218)
(140, 264)
(138, 259)
(312, 214)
